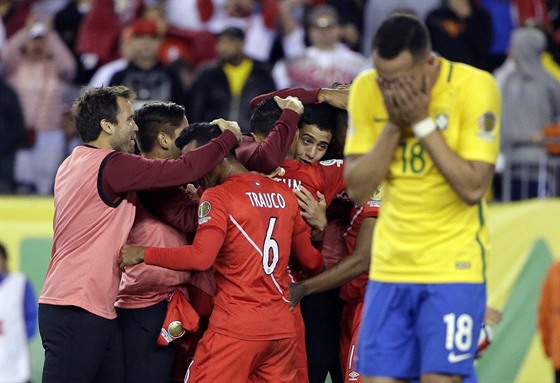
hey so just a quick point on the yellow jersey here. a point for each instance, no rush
(425, 232)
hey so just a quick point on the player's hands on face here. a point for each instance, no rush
(131, 255)
(290, 102)
(406, 101)
(232, 126)
(297, 292)
(312, 210)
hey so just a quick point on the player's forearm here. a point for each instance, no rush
(308, 257)
(198, 256)
(469, 179)
(349, 267)
(272, 151)
(177, 258)
(364, 173)
(344, 271)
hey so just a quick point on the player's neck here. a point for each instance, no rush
(436, 69)
(233, 167)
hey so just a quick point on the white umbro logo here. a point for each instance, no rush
(454, 358)
(353, 376)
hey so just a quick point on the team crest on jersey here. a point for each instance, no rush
(487, 123)
(441, 121)
(203, 211)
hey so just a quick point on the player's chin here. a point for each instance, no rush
(303, 161)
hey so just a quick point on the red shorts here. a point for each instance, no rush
(221, 358)
(349, 328)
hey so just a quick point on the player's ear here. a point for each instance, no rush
(107, 126)
(164, 140)
(296, 136)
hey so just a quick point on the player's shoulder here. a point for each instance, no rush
(330, 166)
(468, 74)
(365, 75)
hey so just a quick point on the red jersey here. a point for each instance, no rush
(326, 177)
(354, 290)
(248, 226)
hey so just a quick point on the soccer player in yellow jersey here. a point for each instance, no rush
(427, 130)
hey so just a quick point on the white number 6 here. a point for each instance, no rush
(270, 246)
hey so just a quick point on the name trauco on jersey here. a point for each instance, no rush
(267, 200)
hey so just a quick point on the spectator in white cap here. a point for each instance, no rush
(326, 61)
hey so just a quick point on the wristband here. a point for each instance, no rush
(423, 128)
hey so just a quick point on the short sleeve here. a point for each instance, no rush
(361, 135)
(480, 119)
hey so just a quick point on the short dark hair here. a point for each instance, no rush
(402, 32)
(199, 132)
(264, 117)
(95, 105)
(321, 114)
(336, 146)
(155, 117)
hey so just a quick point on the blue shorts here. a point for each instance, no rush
(412, 329)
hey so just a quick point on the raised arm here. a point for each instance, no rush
(123, 172)
(337, 97)
(266, 156)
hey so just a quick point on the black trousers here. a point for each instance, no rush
(145, 361)
(79, 346)
(321, 314)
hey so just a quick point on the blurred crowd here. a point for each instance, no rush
(213, 57)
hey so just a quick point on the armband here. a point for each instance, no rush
(423, 128)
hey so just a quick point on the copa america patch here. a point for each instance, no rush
(487, 124)
(174, 331)
(203, 210)
(375, 199)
